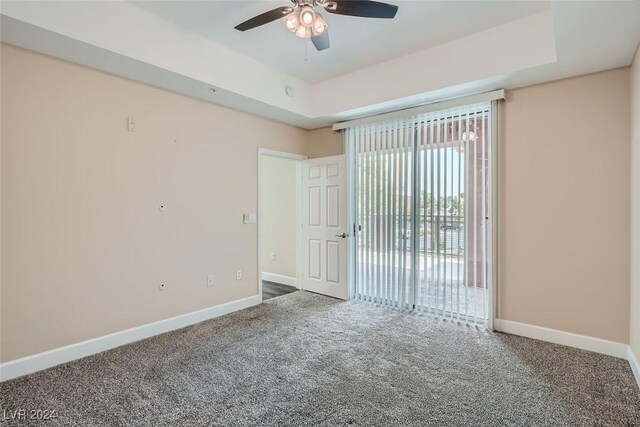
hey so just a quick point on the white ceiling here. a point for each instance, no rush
(434, 50)
(355, 42)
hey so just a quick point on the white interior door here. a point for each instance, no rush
(325, 229)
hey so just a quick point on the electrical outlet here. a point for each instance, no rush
(238, 274)
(210, 281)
(273, 256)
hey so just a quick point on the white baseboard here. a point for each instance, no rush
(47, 359)
(634, 365)
(555, 336)
(279, 278)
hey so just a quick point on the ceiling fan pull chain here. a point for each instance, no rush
(306, 51)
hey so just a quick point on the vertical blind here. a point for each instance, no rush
(422, 208)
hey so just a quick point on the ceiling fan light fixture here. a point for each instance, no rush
(307, 16)
(319, 25)
(302, 20)
(303, 32)
(291, 21)
(296, 23)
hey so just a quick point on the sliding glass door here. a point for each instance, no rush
(422, 209)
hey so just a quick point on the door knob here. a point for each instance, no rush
(343, 235)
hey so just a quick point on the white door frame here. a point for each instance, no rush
(262, 153)
(494, 220)
(352, 165)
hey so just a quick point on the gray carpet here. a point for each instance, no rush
(307, 360)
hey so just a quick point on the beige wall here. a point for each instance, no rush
(564, 205)
(84, 244)
(634, 335)
(324, 142)
(278, 215)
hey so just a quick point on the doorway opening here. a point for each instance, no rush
(279, 219)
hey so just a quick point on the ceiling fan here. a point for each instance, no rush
(302, 20)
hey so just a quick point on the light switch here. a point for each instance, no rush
(131, 124)
(249, 218)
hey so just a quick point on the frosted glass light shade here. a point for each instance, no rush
(307, 16)
(319, 25)
(303, 32)
(291, 21)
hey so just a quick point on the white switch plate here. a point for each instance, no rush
(273, 256)
(210, 281)
(131, 124)
(249, 218)
(238, 274)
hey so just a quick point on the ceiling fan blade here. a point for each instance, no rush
(264, 18)
(321, 42)
(362, 8)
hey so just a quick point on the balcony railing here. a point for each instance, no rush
(440, 234)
